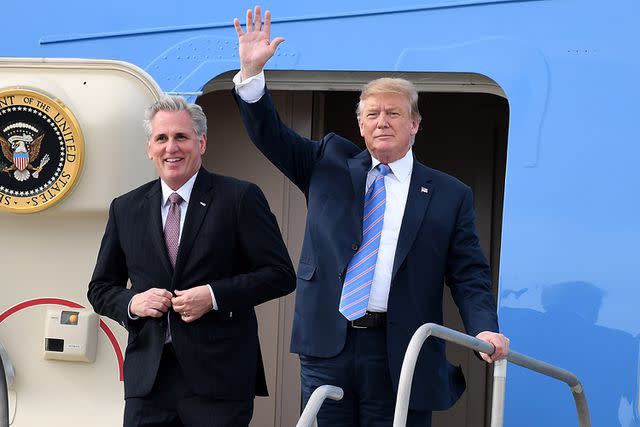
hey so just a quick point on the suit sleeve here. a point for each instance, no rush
(270, 273)
(108, 293)
(468, 273)
(294, 155)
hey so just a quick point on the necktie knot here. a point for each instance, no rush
(175, 198)
(384, 169)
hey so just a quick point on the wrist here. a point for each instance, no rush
(247, 72)
(130, 313)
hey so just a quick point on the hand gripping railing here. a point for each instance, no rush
(308, 417)
(432, 329)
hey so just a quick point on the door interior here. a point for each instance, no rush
(463, 134)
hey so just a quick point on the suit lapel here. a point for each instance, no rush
(199, 202)
(154, 201)
(358, 168)
(420, 192)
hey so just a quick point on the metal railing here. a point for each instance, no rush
(6, 379)
(432, 329)
(308, 417)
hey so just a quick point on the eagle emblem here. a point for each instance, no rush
(22, 148)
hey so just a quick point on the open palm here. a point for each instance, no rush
(255, 44)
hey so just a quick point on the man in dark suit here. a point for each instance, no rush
(201, 250)
(384, 233)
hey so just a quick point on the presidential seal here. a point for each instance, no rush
(42, 150)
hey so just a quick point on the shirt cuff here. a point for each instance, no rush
(131, 316)
(213, 299)
(251, 89)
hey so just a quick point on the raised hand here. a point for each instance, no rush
(255, 44)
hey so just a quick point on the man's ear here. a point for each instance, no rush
(203, 143)
(415, 127)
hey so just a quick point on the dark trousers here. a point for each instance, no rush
(171, 403)
(362, 371)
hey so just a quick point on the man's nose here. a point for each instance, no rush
(382, 121)
(172, 145)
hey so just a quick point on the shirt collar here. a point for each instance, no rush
(401, 168)
(184, 191)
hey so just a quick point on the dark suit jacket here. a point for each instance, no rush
(230, 240)
(437, 244)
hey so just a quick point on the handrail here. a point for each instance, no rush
(308, 417)
(4, 399)
(499, 390)
(432, 329)
(4, 382)
(9, 372)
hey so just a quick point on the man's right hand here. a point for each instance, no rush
(151, 303)
(255, 45)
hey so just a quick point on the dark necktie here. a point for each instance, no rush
(357, 282)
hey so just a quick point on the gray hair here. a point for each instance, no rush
(174, 103)
(391, 85)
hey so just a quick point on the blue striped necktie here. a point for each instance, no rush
(357, 282)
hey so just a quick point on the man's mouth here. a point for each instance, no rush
(173, 159)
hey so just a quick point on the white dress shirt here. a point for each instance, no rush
(184, 192)
(251, 89)
(396, 187)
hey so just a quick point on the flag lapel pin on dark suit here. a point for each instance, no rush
(424, 190)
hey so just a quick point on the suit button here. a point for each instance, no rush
(354, 246)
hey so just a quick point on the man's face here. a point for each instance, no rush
(387, 126)
(175, 148)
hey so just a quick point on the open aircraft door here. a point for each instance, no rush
(72, 139)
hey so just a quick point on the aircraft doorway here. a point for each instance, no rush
(462, 133)
(465, 135)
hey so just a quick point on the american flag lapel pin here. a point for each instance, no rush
(424, 190)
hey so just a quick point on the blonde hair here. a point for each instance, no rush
(391, 85)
